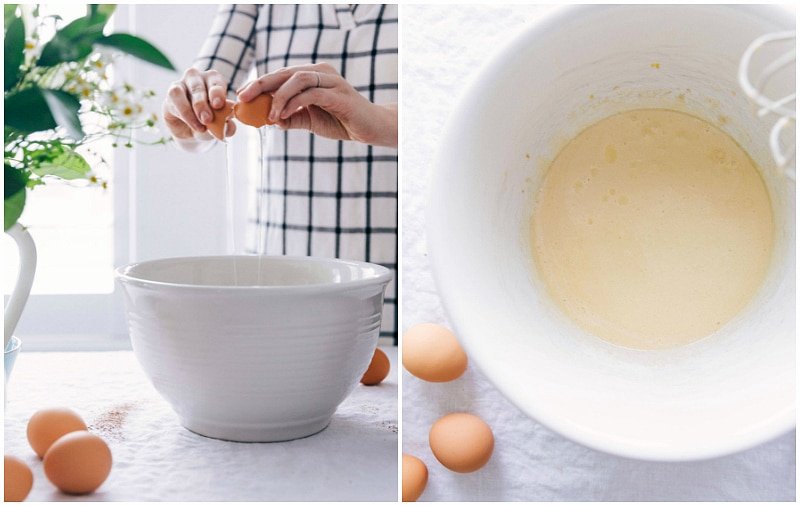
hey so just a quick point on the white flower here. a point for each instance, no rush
(124, 103)
(84, 89)
(109, 99)
(98, 66)
(31, 50)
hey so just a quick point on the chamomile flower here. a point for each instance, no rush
(32, 50)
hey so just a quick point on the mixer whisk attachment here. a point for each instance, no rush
(765, 58)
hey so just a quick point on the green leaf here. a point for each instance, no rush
(14, 180)
(71, 43)
(12, 209)
(9, 14)
(104, 10)
(27, 111)
(87, 27)
(67, 165)
(14, 195)
(36, 110)
(137, 47)
(11, 135)
(14, 46)
(64, 107)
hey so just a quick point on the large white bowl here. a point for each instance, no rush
(719, 395)
(249, 348)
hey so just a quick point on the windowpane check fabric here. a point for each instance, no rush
(318, 196)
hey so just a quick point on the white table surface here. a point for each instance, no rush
(156, 459)
(442, 46)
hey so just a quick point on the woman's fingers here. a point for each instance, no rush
(181, 107)
(177, 127)
(274, 80)
(313, 96)
(217, 88)
(190, 104)
(264, 84)
(296, 85)
(198, 94)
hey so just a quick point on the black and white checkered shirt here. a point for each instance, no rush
(320, 197)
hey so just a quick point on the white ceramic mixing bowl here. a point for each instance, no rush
(719, 395)
(249, 348)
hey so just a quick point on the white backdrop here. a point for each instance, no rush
(177, 198)
(441, 48)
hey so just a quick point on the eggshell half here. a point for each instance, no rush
(221, 116)
(254, 112)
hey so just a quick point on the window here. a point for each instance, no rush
(161, 202)
(72, 227)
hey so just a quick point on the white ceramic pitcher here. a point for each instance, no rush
(22, 288)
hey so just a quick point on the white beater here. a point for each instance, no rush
(759, 59)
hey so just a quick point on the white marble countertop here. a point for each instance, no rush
(442, 47)
(155, 459)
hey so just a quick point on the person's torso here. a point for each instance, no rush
(324, 184)
(324, 197)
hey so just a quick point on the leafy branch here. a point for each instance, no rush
(58, 98)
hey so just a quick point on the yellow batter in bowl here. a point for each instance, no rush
(652, 229)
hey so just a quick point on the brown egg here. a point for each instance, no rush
(47, 425)
(432, 353)
(415, 478)
(78, 463)
(18, 479)
(221, 116)
(378, 369)
(461, 442)
(254, 112)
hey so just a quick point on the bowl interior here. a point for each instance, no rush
(723, 393)
(250, 270)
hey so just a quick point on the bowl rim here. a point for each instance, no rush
(449, 290)
(124, 275)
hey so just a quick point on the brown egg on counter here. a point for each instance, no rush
(415, 477)
(378, 369)
(461, 442)
(78, 463)
(18, 479)
(47, 425)
(221, 116)
(432, 353)
(254, 112)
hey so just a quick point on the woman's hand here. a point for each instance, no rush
(190, 106)
(316, 98)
